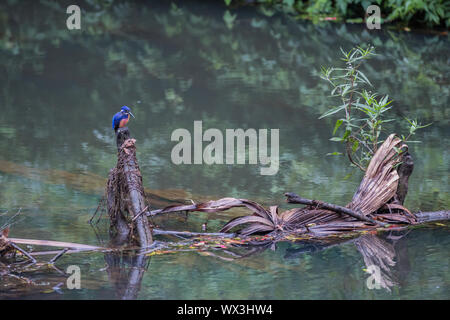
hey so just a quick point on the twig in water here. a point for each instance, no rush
(23, 252)
(210, 254)
(57, 270)
(8, 222)
(59, 255)
(187, 233)
(101, 203)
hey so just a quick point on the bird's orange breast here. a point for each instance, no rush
(124, 122)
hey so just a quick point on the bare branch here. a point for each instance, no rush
(293, 198)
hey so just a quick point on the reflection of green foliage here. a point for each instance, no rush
(229, 19)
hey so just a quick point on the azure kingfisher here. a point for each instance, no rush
(121, 118)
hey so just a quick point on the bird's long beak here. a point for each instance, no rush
(132, 114)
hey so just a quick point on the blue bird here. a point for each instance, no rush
(121, 118)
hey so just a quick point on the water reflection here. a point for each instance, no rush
(177, 64)
(125, 272)
(385, 258)
(282, 270)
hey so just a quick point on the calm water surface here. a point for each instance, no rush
(174, 64)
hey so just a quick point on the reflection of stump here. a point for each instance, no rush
(125, 195)
(126, 273)
(380, 254)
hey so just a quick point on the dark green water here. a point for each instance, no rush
(176, 64)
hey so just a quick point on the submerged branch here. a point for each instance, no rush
(25, 253)
(49, 243)
(187, 233)
(9, 222)
(59, 255)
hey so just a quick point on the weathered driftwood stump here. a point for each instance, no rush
(125, 196)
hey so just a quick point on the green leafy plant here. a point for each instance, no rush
(430, 13)
(363, 111)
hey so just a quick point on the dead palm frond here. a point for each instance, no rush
(380, 181)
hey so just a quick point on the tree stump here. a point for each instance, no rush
(125, 195)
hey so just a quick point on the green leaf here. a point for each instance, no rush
(355, 146)
(336, 139)
(346, 134)
(345, 90)
(334, 154)
(338, 124)
(348, 176)
(344, 53)
(333, 111)
(364, 78)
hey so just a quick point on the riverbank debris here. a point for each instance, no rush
(377, 203)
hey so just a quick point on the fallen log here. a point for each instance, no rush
(384, 186)
(317, 221)
(10, 244)
(423, 217)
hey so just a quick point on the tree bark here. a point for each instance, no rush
(122, 134)
(119, 229)
(423, 217)
(404, 172)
